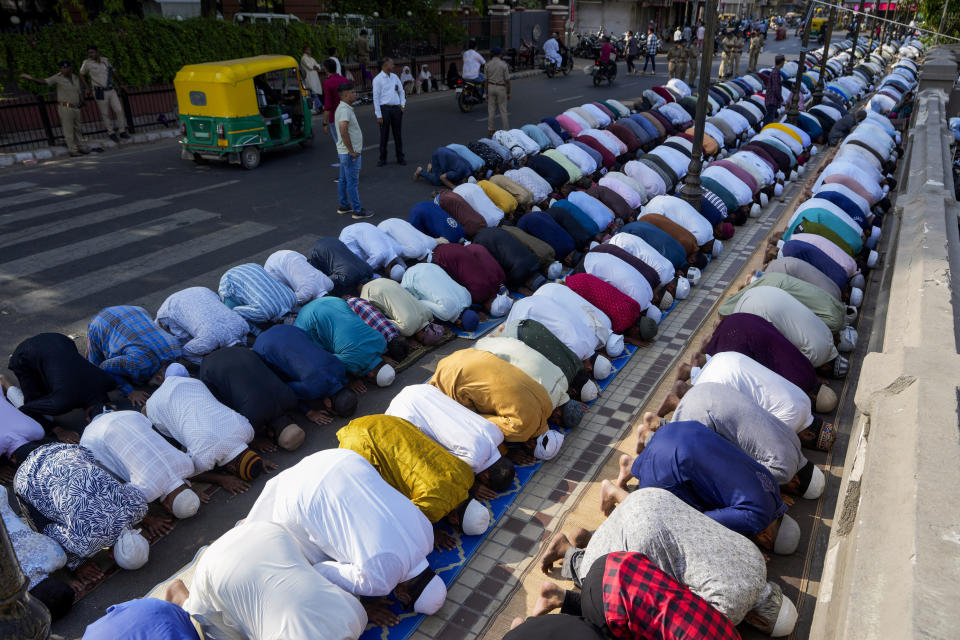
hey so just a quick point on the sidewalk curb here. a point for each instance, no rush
(53, 153)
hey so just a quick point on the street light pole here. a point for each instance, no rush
(853, 47)
(691, 190)
(22, 617)
(793, 108)
(821, 79)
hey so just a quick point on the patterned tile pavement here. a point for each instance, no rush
(492, 575)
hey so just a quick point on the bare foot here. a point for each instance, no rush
(551, 597)
(263, 445)
(556, 549)
(176, 592)
(581, 538)
(648, 424)
(610, 496)
(66, 435)
(668, 405)
(683, 371)
(699, 359)
(626, 462)
(416, 174)
(516, 623)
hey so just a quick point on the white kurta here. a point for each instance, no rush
(440, 293)
(356, 530)
(259, 582)
(639, 248)
(466, 435)
(684, 215)
(125, 443)
(413, 243)
(477, 198)
(293, 269)
(571, 330)
(213, 433)
(621, 275)
(532, 363)
(784, 400)
(370, 244)
(796, 322)
(576, 304)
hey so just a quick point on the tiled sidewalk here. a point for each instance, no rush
(493, 574)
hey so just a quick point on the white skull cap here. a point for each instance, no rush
(131, 550)
(614, 346)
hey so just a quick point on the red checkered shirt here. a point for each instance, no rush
(641, 602)
(622, 310)
(372, 316)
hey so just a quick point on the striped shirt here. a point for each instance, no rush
(124, 342)
(250, 291)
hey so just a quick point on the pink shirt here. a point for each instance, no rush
(632, 197)
(835, 253)
(569, 124)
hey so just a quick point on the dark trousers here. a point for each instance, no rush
(652, 59)
(630, 65)
(770, 115)
(392, 119)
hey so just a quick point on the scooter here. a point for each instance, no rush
(469, 94)
(550, 67)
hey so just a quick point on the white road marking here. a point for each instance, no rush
(570, 98)
(40, 194)
(55, 207)
(75, 222)
(16, 186)
(200, 190)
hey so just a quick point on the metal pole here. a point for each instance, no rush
(22, 617)
(691, 190)
(793, 109)
(821, 79)
(853, 47)
(943, 20)
(873, 27)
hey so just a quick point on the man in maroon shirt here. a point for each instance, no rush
(477, 270)
(331, 97)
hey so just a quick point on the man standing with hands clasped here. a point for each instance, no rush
(103, 77)
(349, 145)
(389, 101)
(497, 87)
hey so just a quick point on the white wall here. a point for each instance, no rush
(615, 17)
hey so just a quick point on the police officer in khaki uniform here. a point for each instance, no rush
(677, 57)
(693, 64)
(103, 78)
(726, 57)
(70, 91)
(496, 84)
(737, 52)
(756, 46)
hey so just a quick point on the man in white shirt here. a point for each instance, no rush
(414, 244)
(356, 530)
(621, 275)
(374, 247)
(125, 443)
(293, 269)
(389, 102)
(572, 330)
(467, 435)
(680, 212)
(573, 304)
(551, 50)
(472, 61)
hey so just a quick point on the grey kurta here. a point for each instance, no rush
(721, 566)
(805, 271)
(798, 324)
(739, 419)
(825, 306)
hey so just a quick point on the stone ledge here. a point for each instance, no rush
(51, 153)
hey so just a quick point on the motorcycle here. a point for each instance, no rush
(603, 71)
(469, 94)
(566, 66)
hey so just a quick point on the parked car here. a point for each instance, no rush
(249, 18)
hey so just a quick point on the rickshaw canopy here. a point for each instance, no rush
(225, 88)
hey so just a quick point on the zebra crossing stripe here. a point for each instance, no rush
(40, 194)
(16, 186)
(16, 217)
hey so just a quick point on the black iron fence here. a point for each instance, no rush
(32, 122)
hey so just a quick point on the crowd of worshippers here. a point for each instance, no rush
(345, 527)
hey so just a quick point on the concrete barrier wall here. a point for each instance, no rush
(892, 567)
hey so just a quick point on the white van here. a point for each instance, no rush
(250, 18)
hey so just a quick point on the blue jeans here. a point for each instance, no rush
(347, 187)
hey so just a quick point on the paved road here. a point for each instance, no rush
(133, 226)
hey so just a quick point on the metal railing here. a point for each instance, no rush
(32, 122)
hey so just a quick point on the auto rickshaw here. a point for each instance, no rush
(235, 109)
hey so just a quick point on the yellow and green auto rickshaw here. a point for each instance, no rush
(235, 109)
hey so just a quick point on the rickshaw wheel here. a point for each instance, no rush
(307, 142)
(199, 159)
(250, 158)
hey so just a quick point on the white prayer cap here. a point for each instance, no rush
(793, 175)
(886, 189)
(754, 210)
(858, 281)
(589, 391)
(594, 244)
(535, 208)
(176, 370)
(654, 314)
(780, 243)
(717, 248)
(602, 368)
(693, 275)
(131, 550)
(851, 313)
(780, 175)
(764, 199)
(778, 189)
(614, 345)
(554, 270)
(786, 619)
(476, 519)
(683, 288)
(501, 305)
(15, 396)
(826, 400)
(872, 258)
(666, 300)
(788, 536)
(397, 271)
(432, 597)
(848, 339)
(472, 180)
(817, 482)
(548, 445)
(801, 169)
(186, 504)
(814, 151)
(385, 376)
(553, 201)
(875, 234)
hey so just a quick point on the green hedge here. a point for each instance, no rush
(151, 51)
